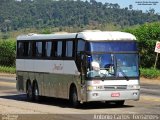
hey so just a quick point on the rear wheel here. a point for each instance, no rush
(29, 92)
(35, 92)
(74, 97)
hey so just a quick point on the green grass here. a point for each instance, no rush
(4, 69)
(150, 73)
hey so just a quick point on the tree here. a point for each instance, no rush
(147, 35)
(130, 7)
(65, 13)
(151, 11)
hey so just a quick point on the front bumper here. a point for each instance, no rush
(113, 95)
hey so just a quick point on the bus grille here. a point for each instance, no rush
(115, 87)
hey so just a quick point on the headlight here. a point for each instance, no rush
(90, 87)
(133, 87)
(100, 87)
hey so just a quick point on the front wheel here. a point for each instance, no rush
(119, 103)
(74, 98)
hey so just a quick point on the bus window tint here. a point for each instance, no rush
(69, 48)
(59, 49)
(48, 47)
(113, 46)
(81, 45)
(20, 49)
(24, 49)
(38, 49)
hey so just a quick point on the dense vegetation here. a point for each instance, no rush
(147, 35)
(16, 15)
(150, 73)
(5, 69)
(7, 52)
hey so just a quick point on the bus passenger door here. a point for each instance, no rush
(83, 76)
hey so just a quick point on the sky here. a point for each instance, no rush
(145, 4)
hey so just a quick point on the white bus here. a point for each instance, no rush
(82, 67)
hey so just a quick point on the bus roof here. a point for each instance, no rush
(87, 35)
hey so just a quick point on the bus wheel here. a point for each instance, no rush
(74, 98)
(29, 92)
(119, 103)
(35, 92)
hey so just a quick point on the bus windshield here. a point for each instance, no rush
(112, 65)
(112, 46)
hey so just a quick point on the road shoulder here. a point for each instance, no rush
(7, 75)
(149, 81)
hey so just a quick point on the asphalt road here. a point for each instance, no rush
(14, 105)
(150, 89)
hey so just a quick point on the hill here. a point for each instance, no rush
(49, 13)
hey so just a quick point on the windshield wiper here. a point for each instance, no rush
(124, 75)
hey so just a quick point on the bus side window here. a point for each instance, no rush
(48, 48)
(79, 51)
(59, 49)
(38, 49)
(81, 46)
(20, 49)
(27, 49)
(69, 48)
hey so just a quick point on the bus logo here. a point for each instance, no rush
(57, 67)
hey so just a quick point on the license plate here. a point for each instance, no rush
(115, 94)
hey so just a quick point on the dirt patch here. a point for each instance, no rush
(150, 81)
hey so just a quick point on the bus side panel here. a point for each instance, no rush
(52, 87)
(65, 80)
(22, 78)
(20, 82)
(60, 85)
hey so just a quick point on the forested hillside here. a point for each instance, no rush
(43, 13)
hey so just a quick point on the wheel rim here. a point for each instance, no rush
(74, 98)
(36, 93)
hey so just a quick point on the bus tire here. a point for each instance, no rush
(74, 97)
(29, 92)
(119, 103)
(35, 92)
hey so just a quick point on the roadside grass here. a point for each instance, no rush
(4, 69)
(149, 73)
